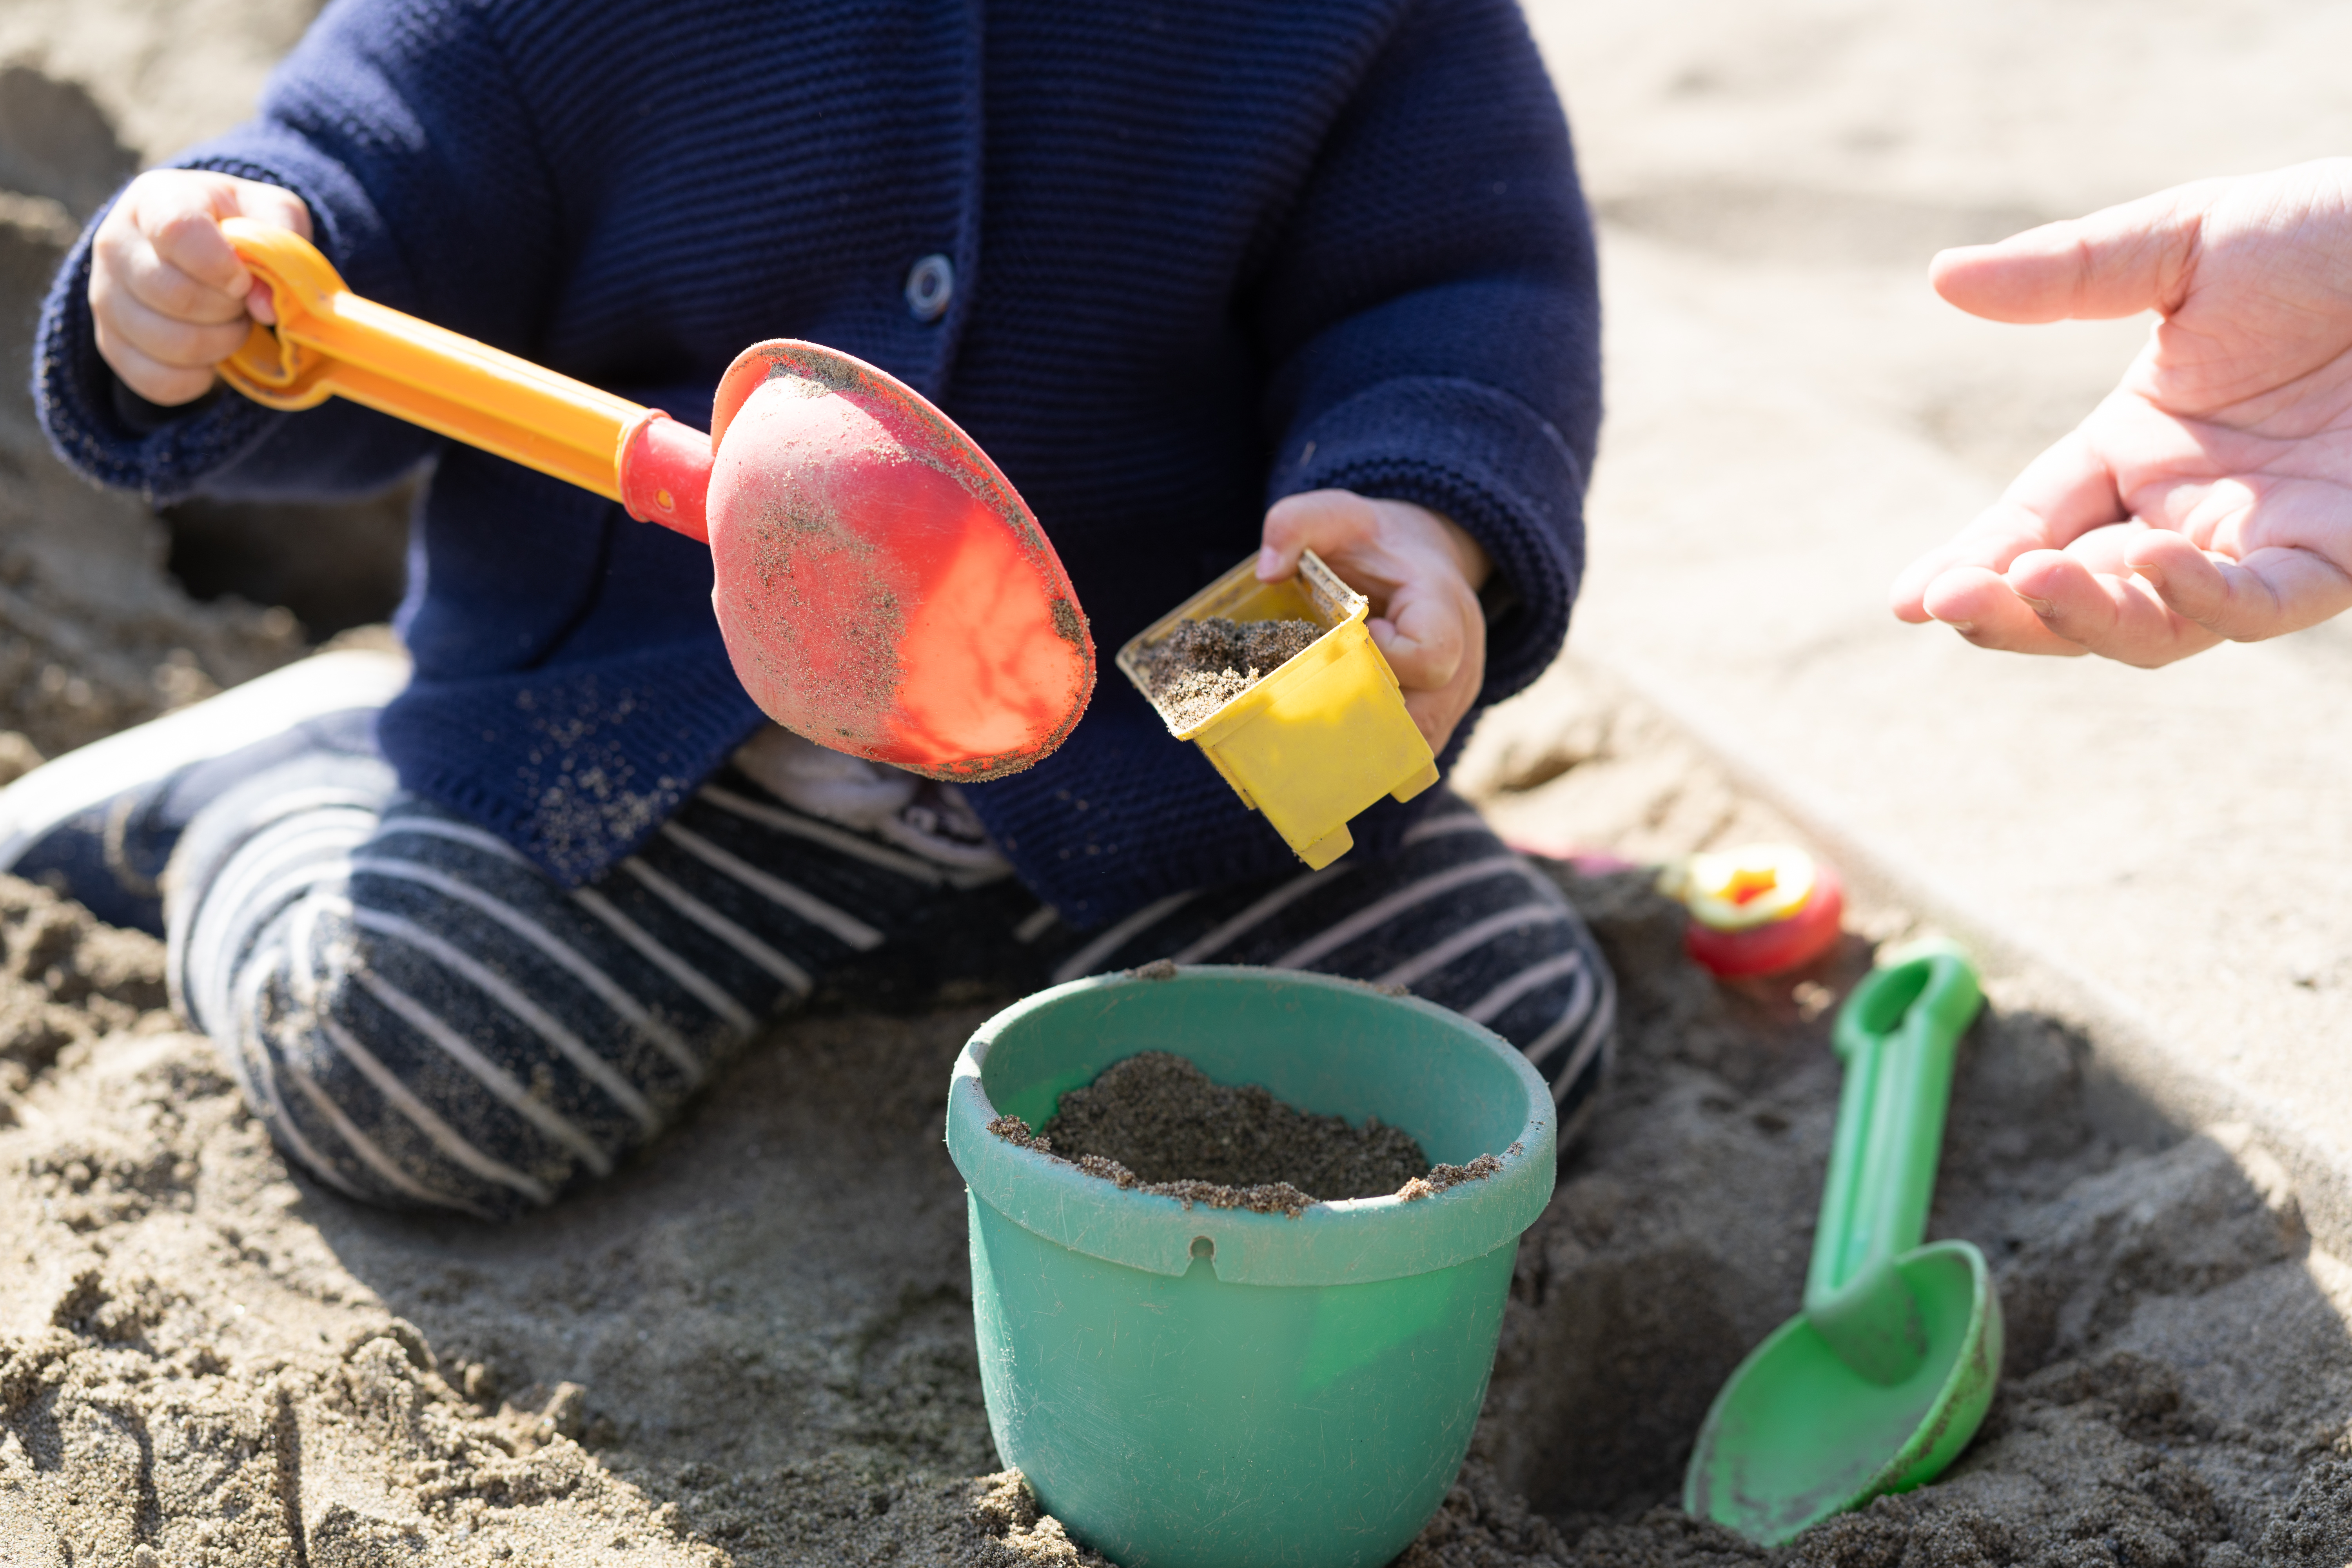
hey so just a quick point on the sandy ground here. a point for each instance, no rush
(731, 1353)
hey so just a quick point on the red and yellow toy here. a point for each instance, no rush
(881, 587)
(1760, 909)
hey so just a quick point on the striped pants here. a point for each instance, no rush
(423, 1019)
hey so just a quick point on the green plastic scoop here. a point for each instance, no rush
(1883, 1379)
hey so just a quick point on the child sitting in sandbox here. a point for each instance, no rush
(467, 941)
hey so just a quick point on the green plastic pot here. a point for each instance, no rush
(1215, 1387)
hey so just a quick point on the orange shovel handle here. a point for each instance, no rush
(331, 343)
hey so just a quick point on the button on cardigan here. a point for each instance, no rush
(1197, 256)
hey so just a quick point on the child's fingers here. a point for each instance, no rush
(190, 252)
(169, 340)
(168, 295)
(163, 360)
(1426, 621)
(159, 326)
(272, 205)
(1435, 641)
(1436, 707)
(1422, 638)
(127, 268)
(176, 337)
(170, 386)
(1328, 522)
(163, 243)
(180, 213)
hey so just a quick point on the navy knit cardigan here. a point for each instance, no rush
(1206, 253)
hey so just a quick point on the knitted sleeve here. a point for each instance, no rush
(1432, 318)
(397, 124)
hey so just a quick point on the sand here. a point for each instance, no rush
(1156, 1122)
(731, 1354)
(1200, 666)
(1167, 1120)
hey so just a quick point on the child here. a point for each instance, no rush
(1165, 264)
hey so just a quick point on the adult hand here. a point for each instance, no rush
(2208, 498)
(168, 295)
(1422, 573)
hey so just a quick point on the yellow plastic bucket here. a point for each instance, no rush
(1326, 733)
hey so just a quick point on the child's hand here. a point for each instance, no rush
(2209, 498)
(170, 298)
(1423, 575)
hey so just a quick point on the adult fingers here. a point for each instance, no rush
(2066, 492)
(1997, 536)
(1994, 538)
(2116, 262)
(2114, 617)
(2270, 592)
(1982, 608)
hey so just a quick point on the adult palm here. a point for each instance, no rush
(2208, 498)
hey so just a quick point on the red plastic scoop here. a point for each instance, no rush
(881, 587)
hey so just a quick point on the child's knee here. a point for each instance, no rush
(380, 1062)
(347, 1094)
(421, 1020)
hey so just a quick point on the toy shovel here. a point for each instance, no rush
(1883, 1379)
(881, 587)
